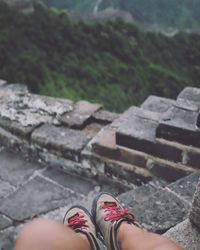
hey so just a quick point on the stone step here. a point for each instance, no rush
(179, 124)
(104, 144)
(157, 104)
(159, 207)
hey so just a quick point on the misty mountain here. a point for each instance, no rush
(183, 14)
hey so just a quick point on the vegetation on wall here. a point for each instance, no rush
(113, 63)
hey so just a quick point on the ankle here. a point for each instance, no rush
(85, 241)
(125, 230)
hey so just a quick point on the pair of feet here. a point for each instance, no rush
(107, 215)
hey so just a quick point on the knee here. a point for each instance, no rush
(42, 231)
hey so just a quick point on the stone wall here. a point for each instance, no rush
(160, 139)
(195, 213)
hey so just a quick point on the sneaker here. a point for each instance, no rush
(80, 220)
(108, 214)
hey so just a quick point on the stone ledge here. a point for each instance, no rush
(195, 212)
(185, 235)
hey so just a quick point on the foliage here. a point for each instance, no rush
(112, 63)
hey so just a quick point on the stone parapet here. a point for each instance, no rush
(83, 138)
(195, 212)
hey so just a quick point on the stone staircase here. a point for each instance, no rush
(56, 153)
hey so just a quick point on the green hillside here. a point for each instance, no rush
(113, 63)
(183, 14)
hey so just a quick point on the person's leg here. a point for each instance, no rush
(120, 230)
(42, 234)
(130, 237)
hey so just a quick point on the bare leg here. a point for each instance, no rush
(42, 234)
(131, 237)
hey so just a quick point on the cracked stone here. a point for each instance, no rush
(4, 222)
(186, 187)
(14, 169)
(36, 197)
(81, 115)
(5, 189)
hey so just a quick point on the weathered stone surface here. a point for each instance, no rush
(79, 185)
(105, 143)
(179, 124)
(138, 131)
(21, 112)
(190, 94)
(186, 235)
(81, 114)
(160, 211)
(105, 117)
(64, 141)
(92, 129)
(35, 197)
(168, 171)
(195, 213)
(4, 222)
(5, 188)
(128, 172)
(141, 193)
(9, 140)
(185, 187)
(7, 239)
(157, 104)
(16, 128)
(14, 169)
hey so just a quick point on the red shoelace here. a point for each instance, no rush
(77, 221)
(115, 213)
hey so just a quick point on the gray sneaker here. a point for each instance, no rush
(108, 214)
(80, 220)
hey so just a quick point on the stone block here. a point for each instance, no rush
(5, 189)
(195, 213)
(64, 141)
(141, 193)
(129, 172)
(7, 238)
(92, 129)
(160, 211)
(9, 140)
(105, 144)
(4, 222)
(185, 235)
(37, 196)
(79, 185)
(138, 131)
(185, 187)
(190, 94)
(157, 104)
(14, 169)
(167, 170)
(179, 124)
(18, 88)
(81, 115)
(105, 117)
(16, 128)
